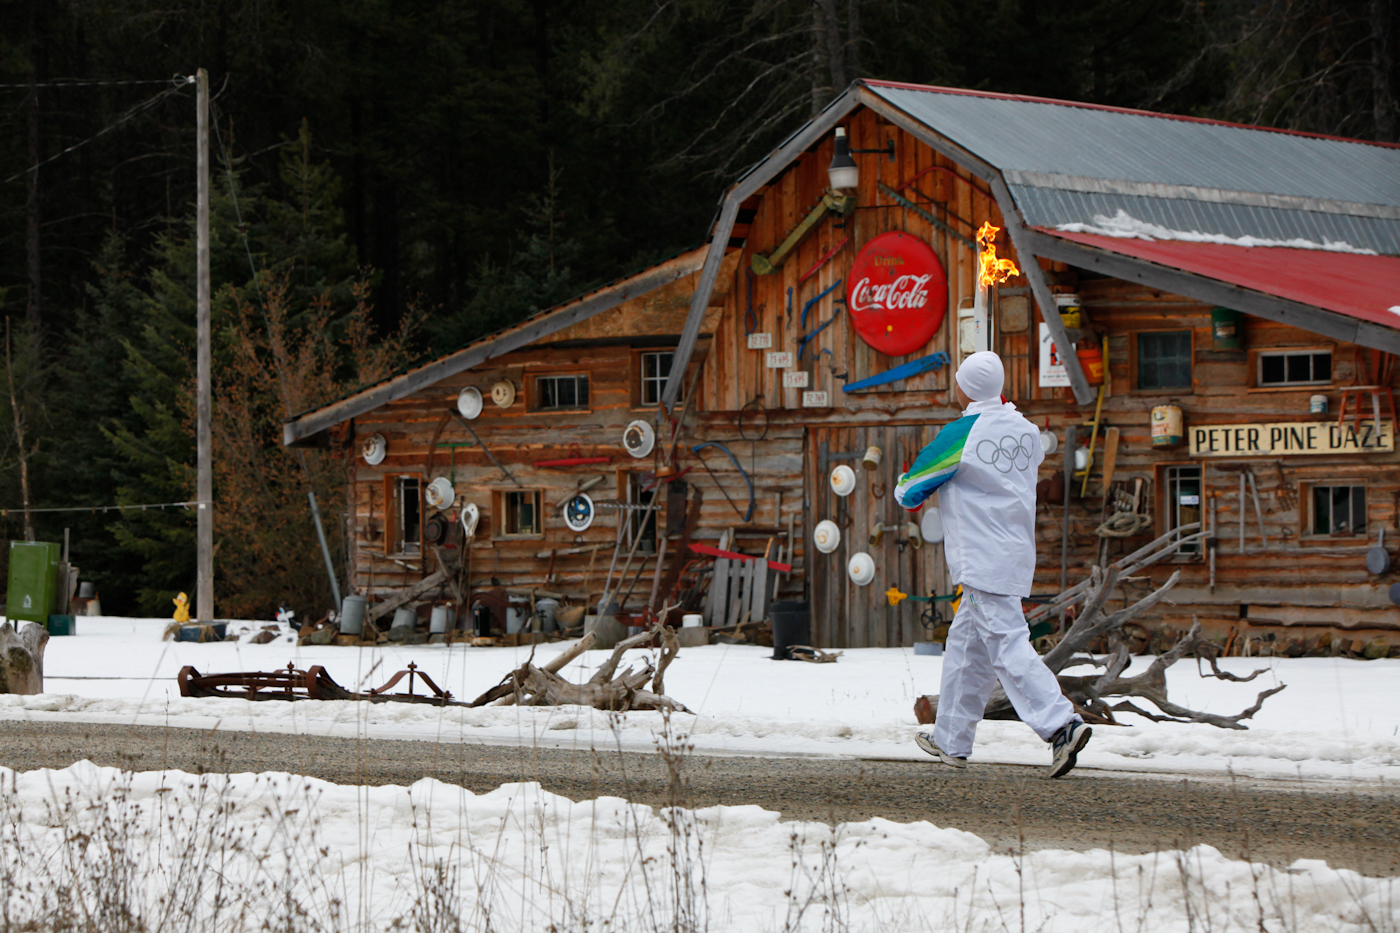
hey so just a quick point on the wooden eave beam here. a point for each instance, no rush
(297, 431)
(748, 186)
(1216, 292)
(1016, 229)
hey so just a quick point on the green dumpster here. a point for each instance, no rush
(33, 589)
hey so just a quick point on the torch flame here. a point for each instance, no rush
(991, 270)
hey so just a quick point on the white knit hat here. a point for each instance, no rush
(981, 376)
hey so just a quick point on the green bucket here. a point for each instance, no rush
(1225, 328)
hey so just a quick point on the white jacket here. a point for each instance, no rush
(984, 467)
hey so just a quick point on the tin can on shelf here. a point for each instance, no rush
(1167, 430)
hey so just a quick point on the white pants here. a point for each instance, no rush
(989, 641)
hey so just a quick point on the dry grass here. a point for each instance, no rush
(129, 856)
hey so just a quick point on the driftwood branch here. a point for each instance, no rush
(553, 666)
(1091, 694)
(531, 685)
(670, 647)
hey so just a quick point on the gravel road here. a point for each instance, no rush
(1274, 821)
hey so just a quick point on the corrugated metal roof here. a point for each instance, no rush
(1363, 287)
(1050, 207)
(400, 383)
(1068, 162)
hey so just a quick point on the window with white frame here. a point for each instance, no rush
(564, 392)
(655, 370)
(1338, 510)
(406, 515)
(1294, 368)
(1181, 485)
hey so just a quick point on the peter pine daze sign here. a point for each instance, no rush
(897, 293)
(1290, 438)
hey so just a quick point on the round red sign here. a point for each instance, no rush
(897, 293)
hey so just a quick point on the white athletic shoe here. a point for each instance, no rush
(924, 739)
(1066, 745)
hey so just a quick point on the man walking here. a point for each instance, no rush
(984, 465)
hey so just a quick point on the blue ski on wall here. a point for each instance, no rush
(903, 371)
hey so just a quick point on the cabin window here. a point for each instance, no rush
(1181, 489)
(564, 392)
(1164, 360)
(1339, 511)
(654, 370)
(403, 515)
(520, 513)
(1294, 368)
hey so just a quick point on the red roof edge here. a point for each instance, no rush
(968, 92)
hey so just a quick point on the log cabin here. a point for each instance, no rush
(1203, 316)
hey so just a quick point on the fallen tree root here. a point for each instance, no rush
(532, 685)
(1092, 695)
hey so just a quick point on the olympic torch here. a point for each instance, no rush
(990, 271)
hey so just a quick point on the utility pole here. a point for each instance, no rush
(204, 540)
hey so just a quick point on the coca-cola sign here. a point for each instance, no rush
(897, 293)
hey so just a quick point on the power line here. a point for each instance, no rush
(124, 118)
(80, 82)
(5, 513)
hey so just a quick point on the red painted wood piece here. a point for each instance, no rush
(709, 551)
(823, 261)
(897, 293)
(572, 461)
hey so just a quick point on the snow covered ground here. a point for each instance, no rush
(284, 852)
(519, 858)
(1338, 719)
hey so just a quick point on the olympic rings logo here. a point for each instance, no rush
(1010, 453)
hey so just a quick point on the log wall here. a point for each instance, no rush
(1294, 582)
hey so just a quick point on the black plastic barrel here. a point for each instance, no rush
(481, 620)
(792, 625)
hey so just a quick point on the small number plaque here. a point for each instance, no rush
(779, 359)
(815, 400)
(760, 341)
(795, 379)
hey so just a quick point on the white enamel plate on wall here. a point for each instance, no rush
(843, 480)
(826, 536)
(374, 450)
(469, 402)
(861, 568)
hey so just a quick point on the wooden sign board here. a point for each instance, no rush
(1290, 439)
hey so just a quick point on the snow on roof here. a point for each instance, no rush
(1067, 163)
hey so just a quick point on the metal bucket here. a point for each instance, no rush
(515, 617)
(1225, 328)
(404, 617)
(352, 615)
(439, 621)
(544, 615)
